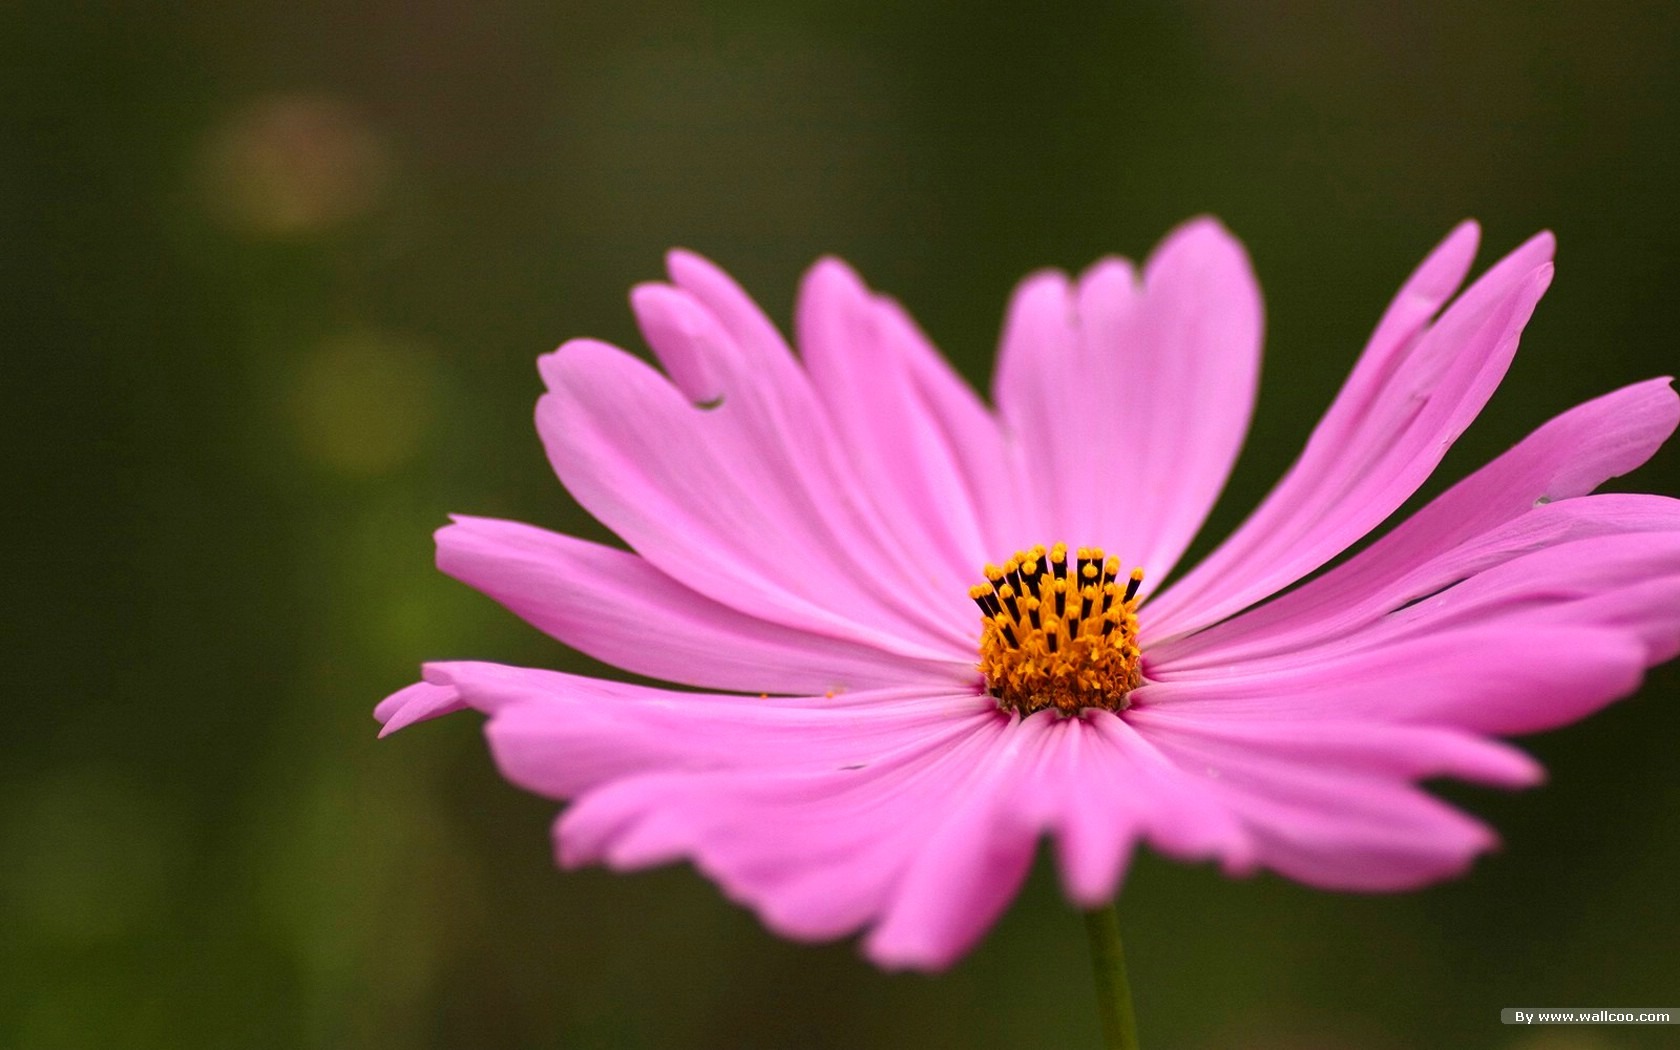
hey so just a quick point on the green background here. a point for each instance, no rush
(275, 276)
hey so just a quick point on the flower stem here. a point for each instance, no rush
(1114, 993)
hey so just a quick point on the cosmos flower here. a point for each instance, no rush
(927, 631)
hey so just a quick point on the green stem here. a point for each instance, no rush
(1114, 994)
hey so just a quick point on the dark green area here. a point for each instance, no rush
(274, 279)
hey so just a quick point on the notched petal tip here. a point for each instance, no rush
(461, 528)
(752, 340)
(1202, 264)
(559, 366)
(685, 337)
(710, 284)
(416, 703)
(1201, 238)
(1663, 388)
(1110, 274)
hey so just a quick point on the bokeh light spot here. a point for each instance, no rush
(293, 165)
(361, 403)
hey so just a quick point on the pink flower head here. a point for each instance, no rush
(928, 628)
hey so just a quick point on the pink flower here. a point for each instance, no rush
(837, 542)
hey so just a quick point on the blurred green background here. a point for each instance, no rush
(275, 275)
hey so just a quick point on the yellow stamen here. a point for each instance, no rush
(1056, 642)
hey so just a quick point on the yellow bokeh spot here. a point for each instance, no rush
(361, 403)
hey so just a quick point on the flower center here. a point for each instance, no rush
(1057, 637)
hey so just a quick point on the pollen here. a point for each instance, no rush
(1059, 635)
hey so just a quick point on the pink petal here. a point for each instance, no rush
(1402, 752)
(817, 852)
(1107, 787)
(760, 484)
(1130, 399)
(416, 703)
(1093, 785)
(617, 608)
(758, 345)
(912, 811)
(1511, 506)
(1324, 613)
(863, 354)
(1413, 392)
(1038, 373)
(688, 340)
(558, 734)
(808, 525)
(1623, 584)
(1334, 829)
(1607, 562)
(976, 440)
(722, 502)
(1501, 680)
(855, 334)
(916, 813)
(968, 868)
